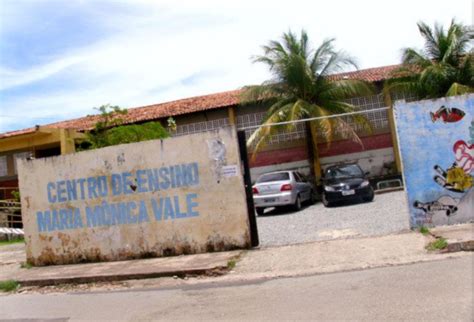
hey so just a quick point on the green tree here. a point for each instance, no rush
(444, 67)
(302, 87)
(109, 130)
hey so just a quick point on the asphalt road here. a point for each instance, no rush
(437, 290)
(388, 213)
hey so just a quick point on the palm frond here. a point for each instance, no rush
(261, 135)
(458, 89)
(431, 43)
(301, 87)
(321, 56)
(358, 119)
(297, 111)
(338, 62)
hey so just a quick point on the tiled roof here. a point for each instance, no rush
(150, 112)
(157, 111)
(17, 132)
(376, 74)
(195, 104)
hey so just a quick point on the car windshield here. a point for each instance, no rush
(346, 171)
(279, 176)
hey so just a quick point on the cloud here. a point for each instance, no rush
(64, 58)
(12, 78)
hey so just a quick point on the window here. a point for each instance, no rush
(279, 176)
(3, 166)
(297, 177)
(346, 171)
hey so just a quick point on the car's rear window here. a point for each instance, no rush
(280, 176)
(347, 171)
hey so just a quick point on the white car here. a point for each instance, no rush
(281, 188)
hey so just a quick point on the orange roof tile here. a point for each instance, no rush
(370, 74)
(195, 104)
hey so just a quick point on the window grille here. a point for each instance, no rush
(3, 166)
(200, 127)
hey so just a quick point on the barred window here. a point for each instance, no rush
(200, 127)
(3, 166)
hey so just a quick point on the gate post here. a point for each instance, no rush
(248, 188)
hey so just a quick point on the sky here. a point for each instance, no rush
(60, 59)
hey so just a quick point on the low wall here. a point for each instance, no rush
(157, 198)
(436, 139)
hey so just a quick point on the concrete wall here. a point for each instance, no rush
(436, 140)
(156, 198)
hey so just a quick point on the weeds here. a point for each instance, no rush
(8, 286)
(424, 230)
(12, 241)
(26, 265)
(438, 244)
(231, 263)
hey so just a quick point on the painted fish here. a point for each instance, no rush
(448, 115)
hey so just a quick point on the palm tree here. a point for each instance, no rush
(443, 68)
(301, 87)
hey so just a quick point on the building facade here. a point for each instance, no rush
(289, 149)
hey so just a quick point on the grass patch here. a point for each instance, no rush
(424, 230)
(231, 263)
(26, 265)
(8, 286)
(12, 241)
(438, 244)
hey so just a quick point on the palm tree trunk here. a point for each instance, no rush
(311, 134)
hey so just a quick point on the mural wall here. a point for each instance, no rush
(437, 149)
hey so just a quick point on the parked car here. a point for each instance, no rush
(345, 182)
(282, 188)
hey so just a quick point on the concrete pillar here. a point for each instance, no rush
(393, 133)
(67, 141)
(232, 118)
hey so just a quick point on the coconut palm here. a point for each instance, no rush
(301, 87)
(443, 68)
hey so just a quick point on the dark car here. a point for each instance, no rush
(345, 182)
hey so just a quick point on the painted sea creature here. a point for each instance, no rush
(447, 115)
(453, 179)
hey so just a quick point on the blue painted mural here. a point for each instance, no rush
(436, 139)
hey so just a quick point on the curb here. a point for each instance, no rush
(214, 271)
(467, 246)
(387, 190)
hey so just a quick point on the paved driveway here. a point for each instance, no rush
(388, 213)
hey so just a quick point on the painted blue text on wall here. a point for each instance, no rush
(162, 208)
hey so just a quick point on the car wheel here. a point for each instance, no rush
(325, 200)
(260, 211)
(297, 204)
(370, 197)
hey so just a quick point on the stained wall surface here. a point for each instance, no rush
(156, 198)
(436, 139)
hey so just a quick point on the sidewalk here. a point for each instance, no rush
(294, 260)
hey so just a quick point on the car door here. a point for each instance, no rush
(302, 186)
(307, 186)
